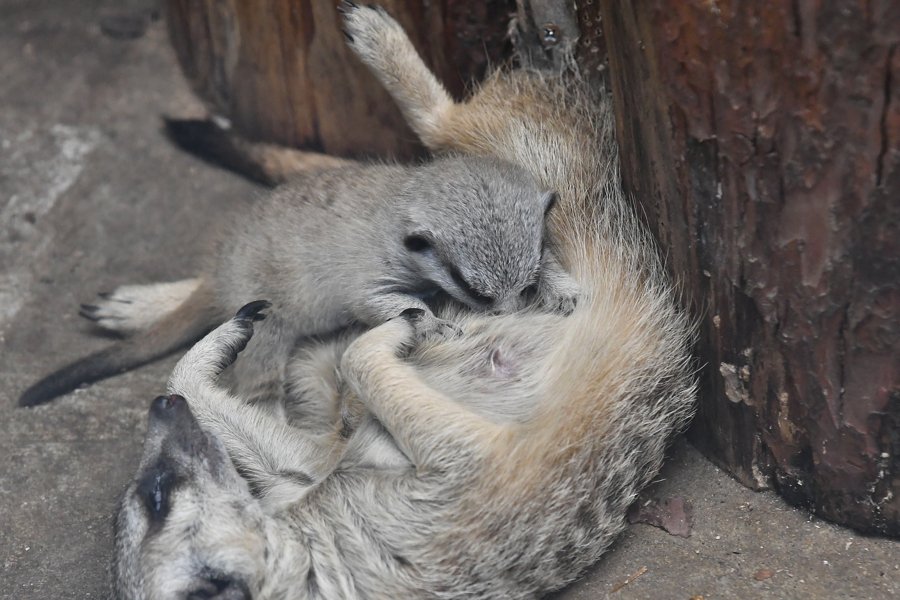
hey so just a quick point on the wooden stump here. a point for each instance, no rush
(762, 140)
(281, 72)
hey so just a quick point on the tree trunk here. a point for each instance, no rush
(281, 72)
(762, 141)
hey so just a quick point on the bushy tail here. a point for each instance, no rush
(187, 323)
(268, 164)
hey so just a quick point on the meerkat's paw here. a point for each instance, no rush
(380, 42)
(394, 336)
(132, 308)
(371, 32)
(560, 295)
(429, 327)
(219, 349)
(557, 291)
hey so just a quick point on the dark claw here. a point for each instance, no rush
(105, 295)
(347, 35)
(346, 6)
(88, 312)
(412, 313)
(250, 312)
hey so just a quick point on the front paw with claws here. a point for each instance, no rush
(561, 298)
(218, 350)
(428, 327)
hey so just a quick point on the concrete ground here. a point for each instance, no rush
(92, 195)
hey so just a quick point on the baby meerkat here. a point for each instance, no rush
(358, 242)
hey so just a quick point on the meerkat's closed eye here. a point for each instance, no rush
(464, 285)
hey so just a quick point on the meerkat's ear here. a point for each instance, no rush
(549, 201)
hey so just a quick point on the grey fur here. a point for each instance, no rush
(328, 249)
(502, 460)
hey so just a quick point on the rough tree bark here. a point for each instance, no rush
(762, 140)
(281, 72)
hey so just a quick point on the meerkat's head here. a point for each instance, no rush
(476, 230)
(187, 526)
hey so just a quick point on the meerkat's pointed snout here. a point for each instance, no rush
(171, 420)
(168, 407)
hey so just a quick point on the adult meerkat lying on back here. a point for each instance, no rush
(352, 243)
(513, 450)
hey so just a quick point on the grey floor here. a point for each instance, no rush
(92, 195)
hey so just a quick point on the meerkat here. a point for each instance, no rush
(353, 243)
(508, 454)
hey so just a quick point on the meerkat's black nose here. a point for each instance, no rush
(168, 407)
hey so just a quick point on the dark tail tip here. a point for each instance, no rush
(217, 146)
(102, 364)
(194, 134)
(46, 390)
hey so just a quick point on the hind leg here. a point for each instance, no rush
(313, 384)
(281, 463)
(260, 376)
(381, 43)
(133, 308)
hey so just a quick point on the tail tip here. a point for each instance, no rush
(35, 396)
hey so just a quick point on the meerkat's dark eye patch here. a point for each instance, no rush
(155, 490)
(468, 289)
(416, 243)
(220, 588)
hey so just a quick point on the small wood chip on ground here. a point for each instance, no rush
(763, 574)
(628, 580)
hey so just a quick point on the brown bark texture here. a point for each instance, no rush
(281, 72)
(762, 141)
